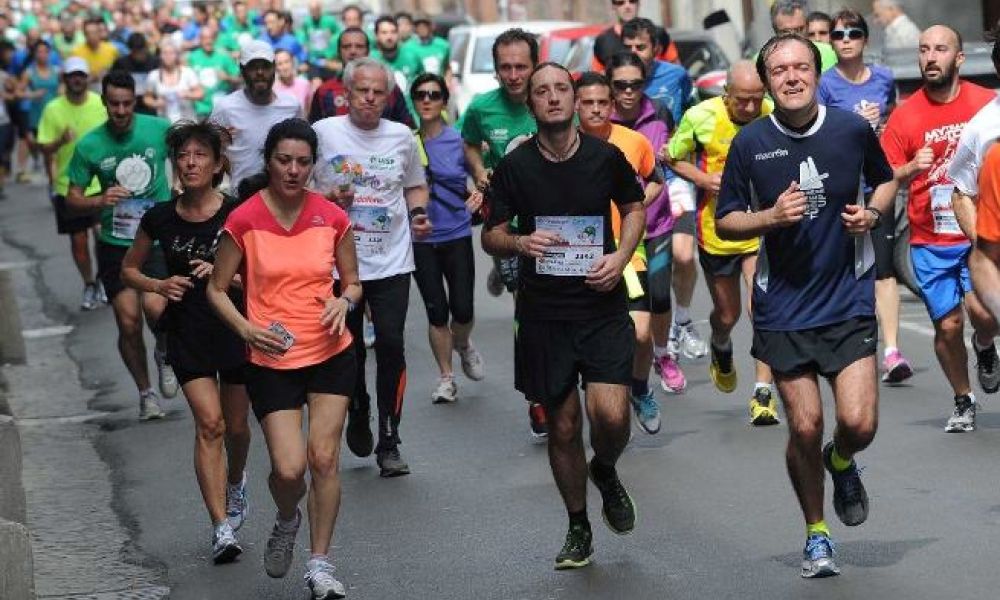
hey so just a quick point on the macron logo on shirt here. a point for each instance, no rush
(779, 153)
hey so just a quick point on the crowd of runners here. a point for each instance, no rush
(262, 193)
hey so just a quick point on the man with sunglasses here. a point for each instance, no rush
(703, 138)
(792, 180)
(920, 140)
(870, 91)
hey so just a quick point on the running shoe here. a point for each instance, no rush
(895, 368)
(368, 334)
(618, 508)
(167, 378)
(494, 283)
(359, 433)
(850, 500)
(102, 296)
(225, 548)
(539, 422)
(281, 546)
(817, 558)
(722, 371)
(577, 548)
(673, 341)
(391, 464)
(322, 583)
(89, 301)
(647, 412)
(472, 362)
(149, 406)
(237, 506)
(763, 408)
(446, 390)
(963, 419)
(987, 367)
(689, 340)
(672, 379)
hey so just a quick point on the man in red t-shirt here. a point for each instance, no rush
(920, 139)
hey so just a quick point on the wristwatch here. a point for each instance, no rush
(878, 216)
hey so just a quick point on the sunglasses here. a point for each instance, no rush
(432, 95)
(851, 33)
(623, 85)
(621, 2)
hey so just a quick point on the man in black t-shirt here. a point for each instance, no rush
(571, 302)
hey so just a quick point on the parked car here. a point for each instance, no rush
(556, 45)
(472, 55)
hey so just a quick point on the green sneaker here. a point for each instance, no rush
(575, 553)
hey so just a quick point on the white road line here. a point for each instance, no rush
(925, 330)
(44, 332)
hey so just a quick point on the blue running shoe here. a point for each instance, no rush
(647, 412)
(817, 558)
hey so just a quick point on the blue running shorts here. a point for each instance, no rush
(943, 276)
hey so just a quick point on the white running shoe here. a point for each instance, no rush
(168, 380)
(237, 505)
(225, 548)
(322, 583)
(102, 296)
(445, 392)
(149, 406)
(280, 546)
(89, 301)
(690, 341)
(472, 362)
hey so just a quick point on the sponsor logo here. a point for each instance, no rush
(811, 183)
(779, 153)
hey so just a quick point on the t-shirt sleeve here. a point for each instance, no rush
(236, 226)
(342, 223)
(683, 142)
(626, 186)
(79, 170)
(876, 168)
(148, 222)
(414, 175)
(47, 127)
(647, 162)
(894, 142)
(499, 196)
(471, 132)
(964, 167)
(735, 192)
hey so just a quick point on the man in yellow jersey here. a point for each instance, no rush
(697, 152)
(593, 109)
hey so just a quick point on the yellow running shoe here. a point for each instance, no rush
(763, 408)
(722, 371)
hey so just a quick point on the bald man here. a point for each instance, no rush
(920, 139)
(703, 137)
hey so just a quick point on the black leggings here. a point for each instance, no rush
(388, 300)
(450, 262)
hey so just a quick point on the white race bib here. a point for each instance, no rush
(126, 216)
(942, 212)
(372, 225)
(582, 244)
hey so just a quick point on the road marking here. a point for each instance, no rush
(925, 330)
(45, 332)
(70, 420)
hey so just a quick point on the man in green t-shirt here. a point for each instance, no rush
(217, 71)
(128, 156)
(64, 120)
(316, 32)
(404, 63)
(432, 51)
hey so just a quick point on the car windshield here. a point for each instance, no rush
(558, 49)
(700, 57)
(482, 55)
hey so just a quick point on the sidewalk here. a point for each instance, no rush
(81, 539)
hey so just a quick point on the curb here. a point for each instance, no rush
(16, 582)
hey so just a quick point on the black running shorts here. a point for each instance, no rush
(109, 267)
(826, 350)
(722, 265)
(233, 376)
(271, 390)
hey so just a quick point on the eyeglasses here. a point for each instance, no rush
(851, 33)
(624, 85)
(621, 2)
(432, 95)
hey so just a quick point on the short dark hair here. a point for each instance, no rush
(851, 18)
(427, 77)
(818, 15)
(513, 36)
(403, 15)
(591, 78)
(772, 44)
(386, 19)
(136, 41)
(209, 133)
(625, 59)
(633, 28)
(548, 65)
(352, 30)
(119, 79)
(93, 21)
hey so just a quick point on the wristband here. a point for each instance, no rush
(416, 211)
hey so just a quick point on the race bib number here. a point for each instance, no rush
(432, 64)
(945, 222)
(126, 216)
(371, 229)
(581, 243)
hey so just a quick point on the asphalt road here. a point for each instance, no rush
(480, 517)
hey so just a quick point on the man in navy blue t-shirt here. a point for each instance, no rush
(795, 179)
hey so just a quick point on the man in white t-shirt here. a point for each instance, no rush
(250, 112)
(371, 167)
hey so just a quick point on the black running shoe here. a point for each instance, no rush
(577, 549)
(359, 434)
(850, 500)
(987, 367)
(618, 508)
(391, 464)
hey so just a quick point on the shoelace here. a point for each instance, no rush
(819, 546)
(850, 481)
(283, 542)
(322, 572)
(235, 501)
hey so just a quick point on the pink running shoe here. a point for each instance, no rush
(671, 377)
(895, 368)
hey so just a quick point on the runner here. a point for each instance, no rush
(499, 120)
(217, 72)
(870, 91)
(372, 168)
(919, 140)
(593, 109)
(433, 51)
(572, 313)
(704, 137)
(390, 51)
(62, 123)
(208, 358)
(789, 16)
(814, 292)
(250, 112)
(286, 241)
(445, 256)
(627, 73)
(128, 157)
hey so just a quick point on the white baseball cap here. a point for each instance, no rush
(75, 64)
(256, 50)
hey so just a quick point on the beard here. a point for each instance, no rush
(947, 78)
(555, 126)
